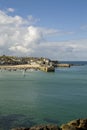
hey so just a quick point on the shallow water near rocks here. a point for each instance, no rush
(39, 98)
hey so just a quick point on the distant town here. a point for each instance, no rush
(13, 60)
(44, 64)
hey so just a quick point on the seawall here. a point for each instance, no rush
(26, 66)
(63, 65)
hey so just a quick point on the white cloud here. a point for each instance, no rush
(19, 48)
(64, 50)
(18, 36)
(32, 20)
(6, 20)
(48, 31)
(10, 10)
(33, 35)
(84, 27)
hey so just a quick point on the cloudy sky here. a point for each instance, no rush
(56, 29)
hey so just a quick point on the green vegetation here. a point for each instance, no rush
(13, 60)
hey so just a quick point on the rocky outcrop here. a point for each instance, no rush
(80, 124)
(40, 127)
(45, 127)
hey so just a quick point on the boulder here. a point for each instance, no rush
(68, 127)
(74, 123)
(83, 124)
(80, 124)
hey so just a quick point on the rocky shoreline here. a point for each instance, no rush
(79, 124)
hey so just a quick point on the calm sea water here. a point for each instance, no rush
(39, 98)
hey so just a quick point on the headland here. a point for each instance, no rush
(43, 64)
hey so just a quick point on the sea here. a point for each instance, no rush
(35, 97)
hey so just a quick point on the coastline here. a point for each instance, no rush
(43, 64)
(79, 124)
(29, 77)
(45, 68)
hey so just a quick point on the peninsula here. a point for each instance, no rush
(43, 64)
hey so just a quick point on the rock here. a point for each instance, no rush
(74, 123)
(45, 127)
(83, 124)
(68, 127)
(40, 127)
(80, 124)
(21, 128)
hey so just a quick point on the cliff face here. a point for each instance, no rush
(80, 124)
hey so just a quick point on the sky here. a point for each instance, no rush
(56, 29)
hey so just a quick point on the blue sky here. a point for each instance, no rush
(52, 28)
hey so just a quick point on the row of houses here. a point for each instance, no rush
(10, 60)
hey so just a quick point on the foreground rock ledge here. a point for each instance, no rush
(79, 124)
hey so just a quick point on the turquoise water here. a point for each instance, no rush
(39, 98)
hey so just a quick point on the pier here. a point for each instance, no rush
(47, 68)
(25, 67)
(63, 65)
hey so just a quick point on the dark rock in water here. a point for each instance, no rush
(21, 128)
(40, 127)
(26, 123)
(10, 121)
(83, 124)
(7, 120)
(68, 127)
(74, 122)
(49, 120)
(45, 127)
